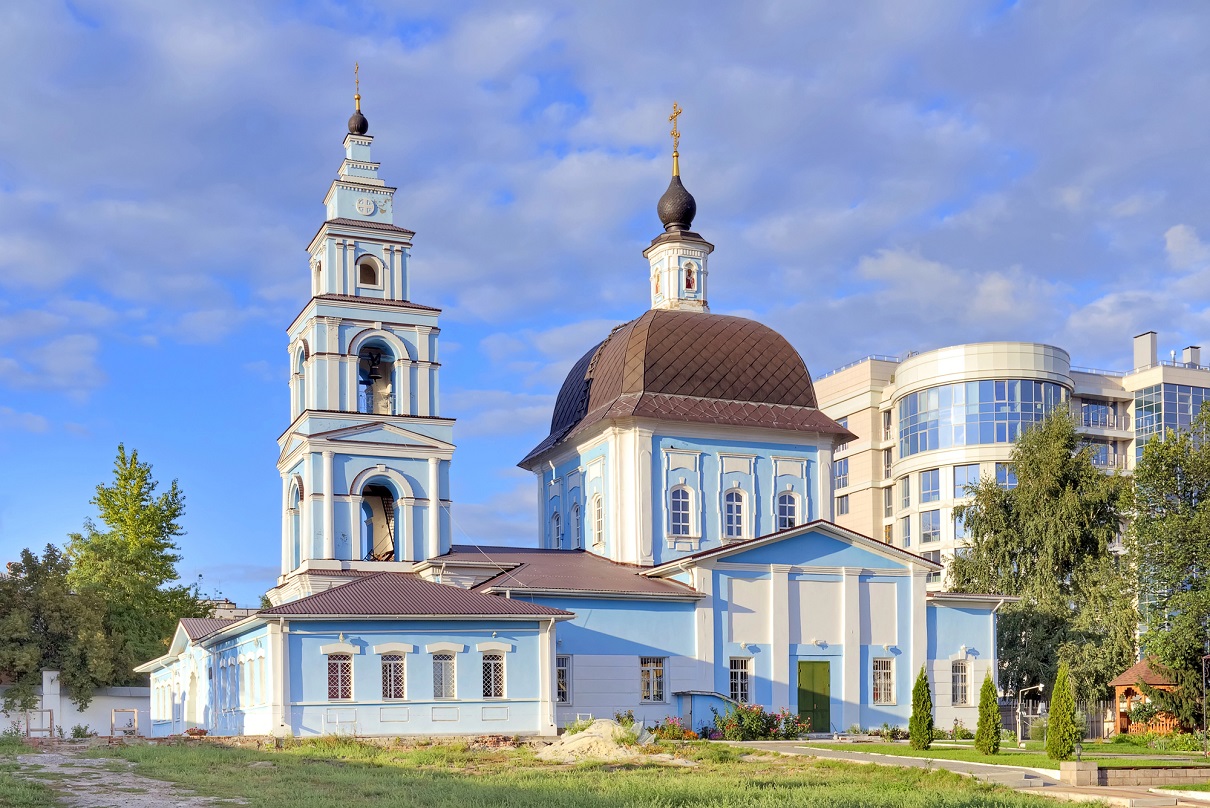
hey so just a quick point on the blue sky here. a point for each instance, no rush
(877, 177)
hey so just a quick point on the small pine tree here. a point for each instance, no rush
(1062, 732)
(920, 726)
(987, 736)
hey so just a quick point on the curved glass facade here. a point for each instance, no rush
(972, 413)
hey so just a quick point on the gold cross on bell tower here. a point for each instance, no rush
(676, 139)
(357, 85)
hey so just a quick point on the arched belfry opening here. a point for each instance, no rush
(379, 531)
(376, 380)
(295, 524)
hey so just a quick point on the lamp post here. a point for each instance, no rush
(1205, 748)
(1038, 687)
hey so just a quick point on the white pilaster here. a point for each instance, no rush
(434, 537)
(306, 536)
(919, 629)
(286, 532)
(546, 674)
(779, 609)
(329, 518)
(850, 661)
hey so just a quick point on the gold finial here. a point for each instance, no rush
(357, 85)
(676, 140)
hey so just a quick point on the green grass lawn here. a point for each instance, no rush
(14, 791)
(1035, 759)
(344, 774)
(1093, 748)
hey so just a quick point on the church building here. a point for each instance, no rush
(685, 558)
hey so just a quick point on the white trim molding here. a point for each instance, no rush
(445, 648)
(395, 648)
(339, 648)
(495, 646)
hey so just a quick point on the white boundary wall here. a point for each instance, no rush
(96, 715)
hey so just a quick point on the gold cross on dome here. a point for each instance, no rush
(676, 135)
(357, 85)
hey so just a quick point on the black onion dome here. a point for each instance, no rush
(677, 207)
(358, 125)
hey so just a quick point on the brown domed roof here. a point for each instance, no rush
(691, 367)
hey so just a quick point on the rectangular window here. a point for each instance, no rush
(840, 471)
(1006, 476)
(886, 425)
(651, 679)
(887, 531)
(733, 515)
(935, 557)
(563, 679)
(966, 476)
(961, 531)
(886, 464)
(905, 530)
(493, 676)
(787, 511)
(393, 676)
(680, 512)
(340, 676)
(930, 485)
(443, 676)
(905, 492)
(930, 526)
(884, 681)
(842, 505)
(739, 679)
(844, 423)
(888, 501)
(961, 688)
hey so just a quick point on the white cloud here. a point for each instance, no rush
(1184, 248)
(24, 421)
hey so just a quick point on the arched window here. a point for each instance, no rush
(787, 510)
(375, 378)
(733, 515)
(556, 532)
(598, 520)
(367, 272)
(577, 531)
(296, 524)
(300, 381)
(378, 535)
(679, 522)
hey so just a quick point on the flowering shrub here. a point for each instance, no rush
(671, 729)
(750, 722)
(890, 733)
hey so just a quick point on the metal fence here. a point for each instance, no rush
(1027, 720)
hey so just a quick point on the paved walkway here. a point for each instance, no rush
(1016, 777)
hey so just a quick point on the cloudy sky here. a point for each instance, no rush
(878, 177)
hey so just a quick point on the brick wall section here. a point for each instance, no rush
(1153, 777)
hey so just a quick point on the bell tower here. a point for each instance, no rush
(678, 256)
(365, 461)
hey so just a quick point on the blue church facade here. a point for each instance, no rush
(684, 557)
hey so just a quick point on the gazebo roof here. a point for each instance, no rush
(1141, 672)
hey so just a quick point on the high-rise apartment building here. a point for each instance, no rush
(930, 424)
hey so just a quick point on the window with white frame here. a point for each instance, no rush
(394, 676)
(576, 528)
(965, 476)
(960, 682)
(930, 485)
(840, 473)
(884, 681)
(842, 505)
(787, 510)
(493, 676)
(888, 501)
(598, 520)
(886, 464)
(340, 676)
(443, 676)
(961, 531)
(844, 424)
(905, 530)
(740, 667)
(930, 526)
(905, 492)
(563, 679)
(935, 557)
(556, 532)
(1006, 476)
(733, 515)
(651, 679)
(679, 522)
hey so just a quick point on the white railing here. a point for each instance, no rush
(1113, 460)
(370, 402)
(1104, 420)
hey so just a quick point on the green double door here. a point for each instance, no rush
(814, 694)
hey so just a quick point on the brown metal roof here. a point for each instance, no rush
(690, 367)
(392, 228)
(407, 595)
(572, 571)
(380, 301)
(198, 627)
(1140, 671)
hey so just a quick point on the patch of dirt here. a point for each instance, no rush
(101, 783)
(598, 742)
(492, 743)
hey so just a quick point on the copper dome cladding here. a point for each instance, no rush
(691, 367)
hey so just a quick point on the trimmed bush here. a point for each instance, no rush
(920, 726)
(987, 734)
(1063, 732)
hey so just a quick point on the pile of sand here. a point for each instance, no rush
(598, 742)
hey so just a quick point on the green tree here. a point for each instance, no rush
(1062, 732)
(44, 625)
(1170, 543)
(1047, 542)
(987, 734)
(132, 564)
(920, 725)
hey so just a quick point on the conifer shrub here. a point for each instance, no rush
(987, 734)
(1062, 731)
(920, 726)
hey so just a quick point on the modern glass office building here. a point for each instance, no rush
(931, 425)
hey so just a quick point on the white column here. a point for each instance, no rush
(403, 530)
(329, 515)
(286, 532)
(434, 537)
(546, 674)
(919, 629)
(779, 609)
(850, 661)
(354, 527)
(350, 269)
(306, 534)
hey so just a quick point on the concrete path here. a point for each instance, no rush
(1017, 777)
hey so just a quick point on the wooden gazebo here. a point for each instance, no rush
(1128, 692)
